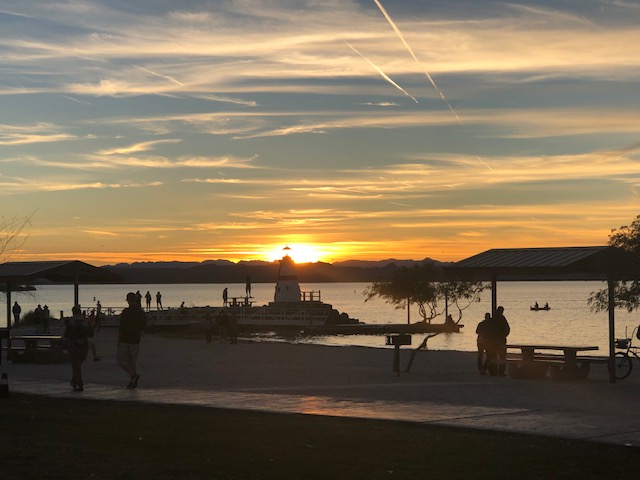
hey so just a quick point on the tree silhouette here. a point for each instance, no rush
(425, 286)
(627, 293)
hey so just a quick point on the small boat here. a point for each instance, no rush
(535, 308)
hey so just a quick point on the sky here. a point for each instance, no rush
(192, 130)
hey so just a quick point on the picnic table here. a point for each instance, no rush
(38, 349)
(561, 361)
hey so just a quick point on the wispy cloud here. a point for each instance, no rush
(138, 147)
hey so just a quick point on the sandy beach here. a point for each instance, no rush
(443, 387)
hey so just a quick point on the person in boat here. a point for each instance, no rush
(481, 342)
(546, 306)
(536, 306)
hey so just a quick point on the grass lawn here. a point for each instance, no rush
(44, 438)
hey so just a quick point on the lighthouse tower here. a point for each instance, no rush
(287, 287)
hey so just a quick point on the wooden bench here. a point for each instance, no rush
(535, 361)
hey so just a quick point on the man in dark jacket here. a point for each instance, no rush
(498, 333)
(132, 323)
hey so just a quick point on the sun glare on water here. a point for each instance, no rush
(298, 253)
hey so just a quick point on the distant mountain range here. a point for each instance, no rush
(225, 271)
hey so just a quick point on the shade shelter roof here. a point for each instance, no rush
(70, 272)
(55, 271)
(568, 263)
(565, 263)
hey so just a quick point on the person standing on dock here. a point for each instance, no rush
(147, 297)
(159, 301)
(132, 323)
(247, 286)
(225, 296)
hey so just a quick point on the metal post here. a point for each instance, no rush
(612, 326)
(396, 358)
(494, 294)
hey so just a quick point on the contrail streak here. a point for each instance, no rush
(410, 50)
(166, 77)
(384, 75)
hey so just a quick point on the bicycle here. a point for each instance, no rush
(624, 365)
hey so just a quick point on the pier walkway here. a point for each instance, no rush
(443, 387)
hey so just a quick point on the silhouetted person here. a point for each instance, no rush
(482, 330)
(158, 301)
(147, 297)
(132, 323)
(37, 316)
(139, 298)
(45, 315)
(225, 296)
(77, 334)
(98, 324)
(17, 310)
(247, 286)
(497, 347)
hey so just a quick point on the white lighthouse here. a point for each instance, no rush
(287, 286)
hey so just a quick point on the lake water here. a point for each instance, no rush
(568, 322)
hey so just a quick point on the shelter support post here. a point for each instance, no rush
(76, 293)
(494, 294)
(611, 285)
(8, 331)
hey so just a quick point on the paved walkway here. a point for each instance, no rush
(442, 388)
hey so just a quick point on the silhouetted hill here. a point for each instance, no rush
(224, 271)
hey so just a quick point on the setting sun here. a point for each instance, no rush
(298, 253)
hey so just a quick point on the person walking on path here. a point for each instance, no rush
(77, 334)
(17, 310)
(132, 323)
(147, 297)
(159, 301)
(482, 330)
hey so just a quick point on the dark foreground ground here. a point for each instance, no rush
(57, 438)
